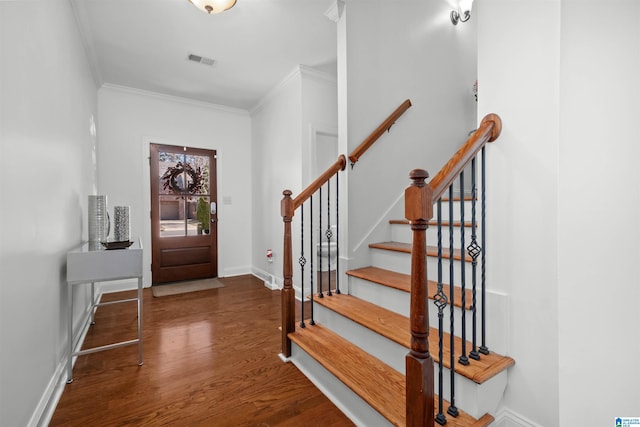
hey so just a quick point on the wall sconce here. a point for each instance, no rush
(463, 14)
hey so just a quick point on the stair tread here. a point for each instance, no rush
(396, 327)
(432, 222)
(375, 382)
(431, 250)
(402, 282)
(467, 198)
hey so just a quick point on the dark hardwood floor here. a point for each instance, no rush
(210, 359)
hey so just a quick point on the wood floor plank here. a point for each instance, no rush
(396, 328)
(402, 282)
(210, 359)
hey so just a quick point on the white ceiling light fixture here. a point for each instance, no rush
(463, 13)
(213, 6)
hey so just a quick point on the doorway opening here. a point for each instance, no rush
(184, 217)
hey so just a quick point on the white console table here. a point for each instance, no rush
(90, 263)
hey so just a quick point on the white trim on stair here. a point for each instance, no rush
(384, 218)
(508, 418)
(356, 409)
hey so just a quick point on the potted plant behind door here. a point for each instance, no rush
(202, 214)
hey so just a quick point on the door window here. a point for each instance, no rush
(185, 200)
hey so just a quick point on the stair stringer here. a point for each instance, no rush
(475, 399)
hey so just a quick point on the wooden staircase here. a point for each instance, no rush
(377, 383)
(363, 338)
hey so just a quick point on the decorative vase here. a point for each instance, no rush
(121, 227)
(98, 222)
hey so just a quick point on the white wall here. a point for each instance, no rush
(598, 202)
(518, 79)
(391, 51)
(562, 75)
(48, 107)
(283, 125)
(319, 117)
(276, 156)
(130, 120)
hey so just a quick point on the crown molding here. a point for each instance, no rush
(317, 75)
(334, 12)
(298, 71)
(173, 98)
(275, 90)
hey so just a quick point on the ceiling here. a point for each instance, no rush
(144, 44)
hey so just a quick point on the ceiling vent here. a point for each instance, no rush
(200, 59)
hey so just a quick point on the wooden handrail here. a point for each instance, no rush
(338, 166)
(288, 207)
(489, 131)
(419, 200)
(384, 126)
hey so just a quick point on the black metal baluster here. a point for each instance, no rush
(311, 248)
(440, 301)
(320, 287)
(453, 410)
(483, 347)
(463, 359)
(474, 250)
(337, 238)
(302, 261)
(328, 236)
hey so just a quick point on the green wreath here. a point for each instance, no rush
(175, 173)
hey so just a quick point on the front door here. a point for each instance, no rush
(184, 234)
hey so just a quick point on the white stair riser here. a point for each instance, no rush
(393, 354)
(403, 233)
(401, 263)
(468, 208)
(399, 302)
(482, 399)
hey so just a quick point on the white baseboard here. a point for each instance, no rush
(270, 280)
(48, 402)
(50, 398)
(236, 271)
(508, 418)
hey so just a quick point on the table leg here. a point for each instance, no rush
(70, 331)
(93, 303)
(139, 320)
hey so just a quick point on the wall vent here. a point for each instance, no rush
(200, 59)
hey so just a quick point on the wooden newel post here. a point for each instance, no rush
(288, 293)
(419, 364)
